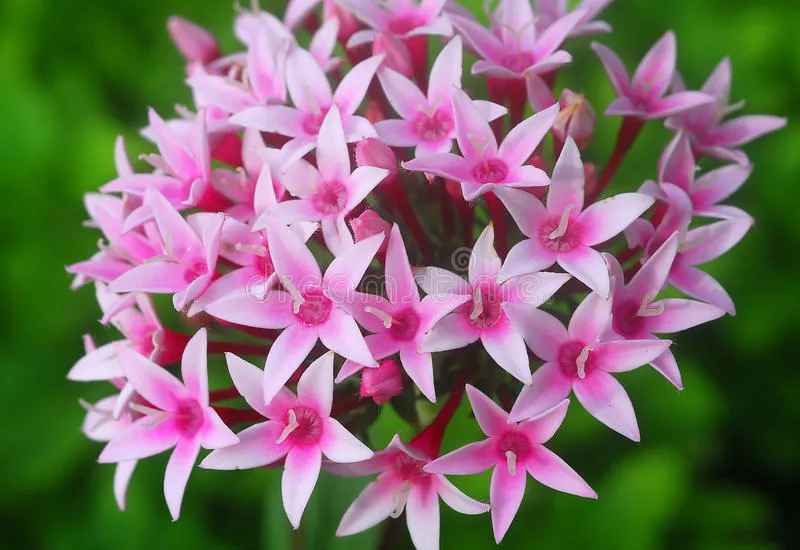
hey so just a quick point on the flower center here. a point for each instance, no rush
(434, 127)
(404, 325)
(409, 468)
(404, 23)
(490, 171)
(313, 121)
(485, 309)
(575, 359)
(629, 317)
(188, 416)
(330, 198)
(562, 235)
(515, 448)
(518, 62)
(303, 427)
(315, 308)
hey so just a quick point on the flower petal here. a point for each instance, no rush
(353, 86)
(607, 218)
(588, 266)
(492, 419)
(654, 73)
(605, 399)
(176, 477)
(543, 426)
(422, 516)
(340, 333)
(339, 445)
(257, 447)
(151, 381)
(626, 355)
(615, 69)
(419, 367)
(472, 458)
(458, 501)
(527, 211)
(284, 357)
(375, 503)
(315, 388)
(300, 475)
(526, 136)
(451, 332)
(400, 285)
(543, 333)
(549, 387)
(681, 314)
(505, 494)
(194, 368)
(590, 318)
(549, 469)
(504, 343)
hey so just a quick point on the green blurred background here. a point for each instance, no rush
(717, 468)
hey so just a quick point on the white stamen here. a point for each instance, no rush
(580, 362)
(104, 415)
(686, 245)
(184, 111)
(157, 415)
(511, 462)
(647, 309)
(731, 108)
(291, 289)
(382, 315)
(256, 249)
(157, 162)
(561, 230)
(477, 305)
(290, 427)
(479, 146)
(123, 399)
(400, 498)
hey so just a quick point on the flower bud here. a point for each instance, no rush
(382, 383)
(576, 118)
(371, 151)
(370, 223)
(194, 42)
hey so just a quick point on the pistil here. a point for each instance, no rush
(511, 462)
(477, 305)
(290, 427)
(561, 230)
(647, 309)
(400, 498)
(382, 315)
(295, 293)
(580, 362)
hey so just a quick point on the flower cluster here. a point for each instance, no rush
(253, 189)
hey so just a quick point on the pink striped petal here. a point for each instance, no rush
(505, 494)
(745, 129)
(650, 279)
(711, 241)
(701, 286)
(605, 399)
(607, 218)
(375, 503)
(472, 458)
(654, 73)
(525, 137)
(444, 165)
(475, 137)
(140, 440)
(339, 445)
(719, 184)
(543, 333)
(549, 386)
(549, 469)
(291, 257)
(288, 350)
(249, 307)
(300, 476)
(151, 381)
(506, 346)
(677, 163)
(626, 355)
(400, 285)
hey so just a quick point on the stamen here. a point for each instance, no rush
(561, 230)
(124, 398)
(477, 305)
(291, 289)
(157, 415)
(157, 162)
(290, 427)
(256, 249)
(511, 463)
(580, 362)
(647, 309)
(400, 498)
(104, 415)
(382, 315)
(686, 245)
(479, 146)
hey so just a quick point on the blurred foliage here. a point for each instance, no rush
(717, 467)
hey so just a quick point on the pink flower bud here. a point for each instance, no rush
(373, 152)
(398, 58)
(193, 41)
(576, 118)
(370, 223)
(383, 383)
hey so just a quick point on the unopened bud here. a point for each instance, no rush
(194, 42)
(382, 383)
(370, 223)
(576, 118)
(371, 151)
(398, 58)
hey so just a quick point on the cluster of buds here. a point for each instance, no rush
(255, 187)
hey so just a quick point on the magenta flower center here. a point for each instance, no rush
(409, 468)
(434, 127)
(575, 359)
(516, 443)
(404, 23)
(405, 325)
(331, 198)
(490, 171)
(188, 417)
(304, 426)
(485, 309)
(315, 307)
(562, 234)
(313, 122)
(518, 62)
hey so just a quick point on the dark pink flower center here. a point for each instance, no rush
(516, 443)
(313, 121)
(405, 325)
(406, 22)
(188, 417)
(575, 359)
(490, 171)
(518, 62)
(561, 234)
(485, 309)
(626, 321)
(196, 270)
(307, 426)
(434, 127)
(330, 198)
(315, 309)
(409, 468)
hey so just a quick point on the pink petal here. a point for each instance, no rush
(666, 365)
(375, 503)
(549, 469)
(484, 263)
(680, 314)
(615, 69)
(745, 129)
(451, 332)
(566, 188)
(445, 165)
(339, 445)
(677, 163)
(291, 257)
(702, 286)
(353, 86)
(176, 477)
(140, 440)
(505, 345)
(651, 277)
(419, 367)
(333, 159)
(257, 447)
(678, 103)
(709, 242)
(346, 270)
(362, 181)
(543, 426)
(505, 494)
(439, 282)
(341, 334)
(719, 184)
(397, 133)
(173, 151)
(422, 516)
(533, 288)
(156, 277)
(622, 106)
(300, 475)
(626, 355)
(525, 137)
(607, 218)
(221, 92)
(446, 71)
(654, 74)
(549, 386)
(280, 119)
(315, 388)
(248, 307)
(98, 364)
(404, 96)
(336, 235)
(472, 458)
(588, 266)
(458, 501)
(433, 308)
(249, 381)
(523, 261)
(543, 333)
(308, 86)
(590, 318)
(151, 381)
(527, 211)
(215, 434)
(605, 399)
(718, 83)
(555, 34)
(290, 348)
(122, 478)
(492, 419)
(194, 367)
(400, 285)
(180, 240)
(475, 137)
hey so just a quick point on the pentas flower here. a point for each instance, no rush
(576, 118)
(195, 43)
(513, 48)
(175, 415)
(427, 121)
(563, 232)
(484, 166)
(299, 428)
(482, 316)
(312, 98)
(578, 359)
(549, 11)
(192, 249)
(512, 449)
(638, 315)
(329, 193)
(401, 320)
(709, 134)
(402, 485)
(402, 18)
(643, 97)
(383, 383)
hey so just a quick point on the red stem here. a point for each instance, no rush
(237, 348)
(429, 440)
(223, 395)
(231, 415)
(628, 132)
(446, 203)
(397, 194)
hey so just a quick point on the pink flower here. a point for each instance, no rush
(427, 121)
(708, 133)
(644, 96)
(177, 415)
(299, 428)
(483, 317)
(549, 11)
(329, 193)
(402, 485)
(383, 383)
(511, 49)
(637, 314)
(192, 248)
(402, 18)
(578, 359)
(576, 118)
(195, 43)
(370, 223)
(512, 448)
(312, 98)
(484, 166)
(564, 232)
(401, 321)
